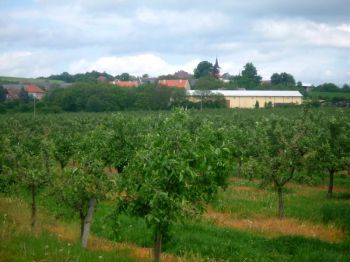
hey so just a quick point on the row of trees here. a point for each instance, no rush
(92, 76)
(248, 79)
(103, 97)
(331, 87)
(165, 168)
(163, 171)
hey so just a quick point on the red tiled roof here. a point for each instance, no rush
(127, 83)
(31, 88)
(179, 83)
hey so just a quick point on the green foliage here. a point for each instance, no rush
(86, 179)
(208, 83)
(100, 97)
(339, 98)
(331, 143)
(203, 69)
(23, 96)
(2, 109)
(3, 94)
(282, 78)
(87, 77)
(248, 78)
(125, 77)
(207, 99)
(327, 87)
(178, 170)
(173, 164)
(256, 104)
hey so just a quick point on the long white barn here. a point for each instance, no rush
(249, 98)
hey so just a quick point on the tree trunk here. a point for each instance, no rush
(61, 166)
(348, 170)
(331, 183)
(82, 218)
(239, 168)
(157, 246)
(33, 218)
(280, 203)
(87, 222)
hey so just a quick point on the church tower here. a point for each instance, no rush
(216, 69)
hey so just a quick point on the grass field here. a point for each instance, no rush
(9, 79)
(240, 225)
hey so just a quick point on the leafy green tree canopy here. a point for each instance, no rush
(248, 78)
(204, 68)
(179, 169)
(327, 87)
(282, 78)
(208, 83)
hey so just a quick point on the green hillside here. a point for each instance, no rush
(9, 80)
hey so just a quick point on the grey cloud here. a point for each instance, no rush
(275, 34)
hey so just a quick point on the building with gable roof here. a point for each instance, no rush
(132, 83)
(34, 91)
(249, 98)
(178, 83)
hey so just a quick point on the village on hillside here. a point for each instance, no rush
(246, 90)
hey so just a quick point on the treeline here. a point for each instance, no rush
(330, 87)
(82, 77)
(92, 76)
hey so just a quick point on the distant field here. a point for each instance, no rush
(9, 79)
(330, 95)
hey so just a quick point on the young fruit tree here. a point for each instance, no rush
(332, 147)
(81, 185)
(33, 165)
(283, 149)
(179, 169)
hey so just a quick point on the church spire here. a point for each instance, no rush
(216, 69)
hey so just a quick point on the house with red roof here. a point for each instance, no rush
(129, 84)
(178, 83)
(34, 91)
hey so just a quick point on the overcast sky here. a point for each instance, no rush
(307, 38)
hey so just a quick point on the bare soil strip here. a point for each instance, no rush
(274, 227)
(248, 189)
